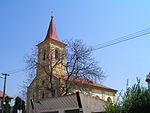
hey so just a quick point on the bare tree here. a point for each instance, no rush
(31, 65)
(79, 64)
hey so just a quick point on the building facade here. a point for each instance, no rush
(50, 51)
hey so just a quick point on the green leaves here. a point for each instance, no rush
(7, 105)
(136, 99)
(19, 105)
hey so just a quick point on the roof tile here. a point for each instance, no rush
(84, 81)
(1, 95)
(51, 33)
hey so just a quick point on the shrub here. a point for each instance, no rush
(136, 99)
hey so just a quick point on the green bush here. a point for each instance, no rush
(19, 105)
(136, 99)
(7, 105)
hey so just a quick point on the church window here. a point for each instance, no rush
(43, 82)
(109, 100)
(43, 94)
(44, 54)
(53, 92)
(97, 97)
(57, 54)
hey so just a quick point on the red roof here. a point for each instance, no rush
(148, 77)
(84, 81)
(51, 33)
(1, 95)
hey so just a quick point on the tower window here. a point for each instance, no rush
(57, 54)
(44, 54)
(43, 82)
(43, 94)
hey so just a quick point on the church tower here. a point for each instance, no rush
(51, 53)
(51, 60)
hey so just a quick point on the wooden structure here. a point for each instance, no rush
(74, 103)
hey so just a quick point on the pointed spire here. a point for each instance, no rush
(51, 33)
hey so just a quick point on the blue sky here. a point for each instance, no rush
(24, 23)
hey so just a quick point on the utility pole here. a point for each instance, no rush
(5, 77)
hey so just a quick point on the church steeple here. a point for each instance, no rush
(51, 46)
(51, 33)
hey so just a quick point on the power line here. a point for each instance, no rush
(105, 44)
(16, 70)
(122, 39)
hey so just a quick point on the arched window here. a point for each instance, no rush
(54, 92)
(57, 54)
(44, 54)
(43, 82)
(43, 94)
(109, 100)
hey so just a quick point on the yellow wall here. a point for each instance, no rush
(102, 93)
(50, 46)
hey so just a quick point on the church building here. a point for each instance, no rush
(39, 88)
